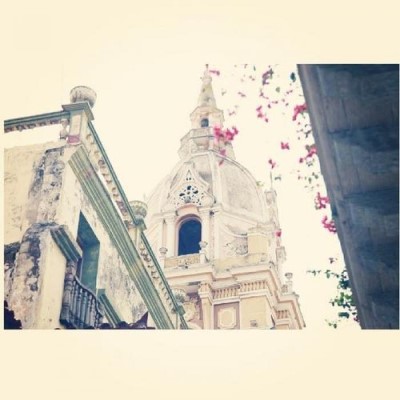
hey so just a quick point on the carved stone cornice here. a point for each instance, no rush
(115, 227)
(65, 241)
(34, 121)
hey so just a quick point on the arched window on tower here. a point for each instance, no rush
(189, 237)
(204, 123)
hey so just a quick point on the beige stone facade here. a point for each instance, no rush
(233, 279)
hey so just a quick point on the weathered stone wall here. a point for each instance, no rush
(35, 286)
(41, 190)
(23, 179)
(354, 112)
(112, 274)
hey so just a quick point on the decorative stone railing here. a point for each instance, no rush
(225, 292)
(282, 314)
(80, 307)
(182, 261)
(253, 286)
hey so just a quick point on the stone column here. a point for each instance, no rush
(163, 254)
(203, 253)
(289, 282)
(205, 295)
(205, 224)
(216, 233)
(170, 220)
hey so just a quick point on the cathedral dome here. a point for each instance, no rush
(201, 180)
(208, 196)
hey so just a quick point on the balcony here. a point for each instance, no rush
(80, 308)
(182, 261)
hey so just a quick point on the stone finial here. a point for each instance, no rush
(180, 295)
(206, 76)
(83, 93)
(289, 282)
(139, 209)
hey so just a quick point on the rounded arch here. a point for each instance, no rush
(189, 235)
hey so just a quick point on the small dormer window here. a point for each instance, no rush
(204, 123)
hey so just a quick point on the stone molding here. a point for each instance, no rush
(114, 225)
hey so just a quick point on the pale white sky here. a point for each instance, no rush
(144, 60)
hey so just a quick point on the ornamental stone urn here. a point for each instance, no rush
(139, 209)
(80, 94)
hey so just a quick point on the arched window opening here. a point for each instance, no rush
(204, 123)
(189, 237)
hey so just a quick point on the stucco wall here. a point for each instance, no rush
(112, 274)
(255, 309)
(42, 189)
(20, 164)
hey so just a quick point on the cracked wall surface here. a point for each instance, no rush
(42, 191)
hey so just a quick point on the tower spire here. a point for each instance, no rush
(206, 97)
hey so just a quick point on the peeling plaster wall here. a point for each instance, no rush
(30, 285)
(112, 274)
(41, 190)
(19, 166)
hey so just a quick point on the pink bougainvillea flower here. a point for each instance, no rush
(218, 133)
(312, 150)
(321, 201)
(278, 233)
(229, 135)
(285, 146)
(267, 75)
(272, 163)
(224, 136)
(299, 109)
(214, 71)
(329, 225)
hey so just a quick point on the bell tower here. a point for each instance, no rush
(216, 234)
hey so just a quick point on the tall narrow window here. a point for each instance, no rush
(90, 245)
(189, 237)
